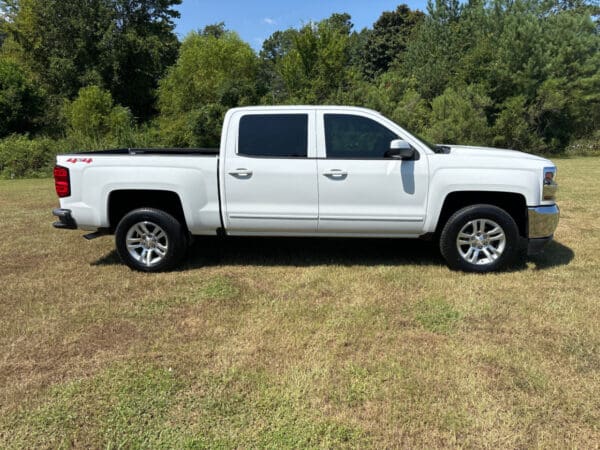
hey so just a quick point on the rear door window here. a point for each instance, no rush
(274, 135)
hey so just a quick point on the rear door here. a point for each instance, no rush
(270, 173)
(361, 189)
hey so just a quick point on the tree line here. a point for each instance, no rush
(77, 75)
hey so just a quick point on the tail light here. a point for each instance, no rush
(62, 182)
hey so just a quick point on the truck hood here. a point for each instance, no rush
(471, 151)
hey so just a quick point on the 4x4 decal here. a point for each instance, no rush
(83, 160)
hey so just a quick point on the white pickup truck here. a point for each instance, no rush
(311, 171)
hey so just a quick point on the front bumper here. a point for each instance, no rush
(541, 224)
(542, 221)
(65, 220)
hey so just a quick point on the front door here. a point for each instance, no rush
(361, 189)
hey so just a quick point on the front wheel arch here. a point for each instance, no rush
(515, 204)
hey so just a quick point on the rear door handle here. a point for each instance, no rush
(335, 173)
(241, 172)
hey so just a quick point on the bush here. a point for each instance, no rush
(21, 100)
(21, 156)
(24, 157)
(94, 121)
(589, 146)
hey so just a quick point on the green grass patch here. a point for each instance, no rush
(218, 289)
(130, 406)
(249, 408)
(123, 407)
(437, 315)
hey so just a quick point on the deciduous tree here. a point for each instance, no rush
(122, 45)
(212, 74)
(21, 99)
(389, 38)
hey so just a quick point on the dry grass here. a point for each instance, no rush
(294, 343)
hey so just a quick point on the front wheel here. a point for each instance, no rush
(150, 240)
(479, 238)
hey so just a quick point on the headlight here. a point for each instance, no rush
(550, 186)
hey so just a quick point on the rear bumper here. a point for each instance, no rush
(542, 221)
(65, 220)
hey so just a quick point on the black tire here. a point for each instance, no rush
(168, 246)
(464, 220)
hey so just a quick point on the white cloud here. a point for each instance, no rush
(269, 21)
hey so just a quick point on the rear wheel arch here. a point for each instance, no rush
(121, 202)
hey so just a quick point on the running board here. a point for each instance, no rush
(96, 234)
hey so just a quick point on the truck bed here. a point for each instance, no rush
(98, 177)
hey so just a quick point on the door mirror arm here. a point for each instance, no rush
(400, 149)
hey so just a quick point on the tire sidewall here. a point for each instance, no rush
(171, 226)
(458, 220)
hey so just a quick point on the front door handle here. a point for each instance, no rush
(241, 173)
(338, 173)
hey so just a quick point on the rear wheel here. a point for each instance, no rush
(150, 240)
(479, 238)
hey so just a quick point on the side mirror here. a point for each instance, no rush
(400, 149)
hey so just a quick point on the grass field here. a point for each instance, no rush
(297, 343)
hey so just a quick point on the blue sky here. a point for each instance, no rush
(255, 21)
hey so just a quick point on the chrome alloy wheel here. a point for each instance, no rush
(481, 241)
(147, 243)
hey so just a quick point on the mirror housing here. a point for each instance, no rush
(400, 149)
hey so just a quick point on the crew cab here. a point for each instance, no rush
(311, 171)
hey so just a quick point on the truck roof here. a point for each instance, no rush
(303, 107)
